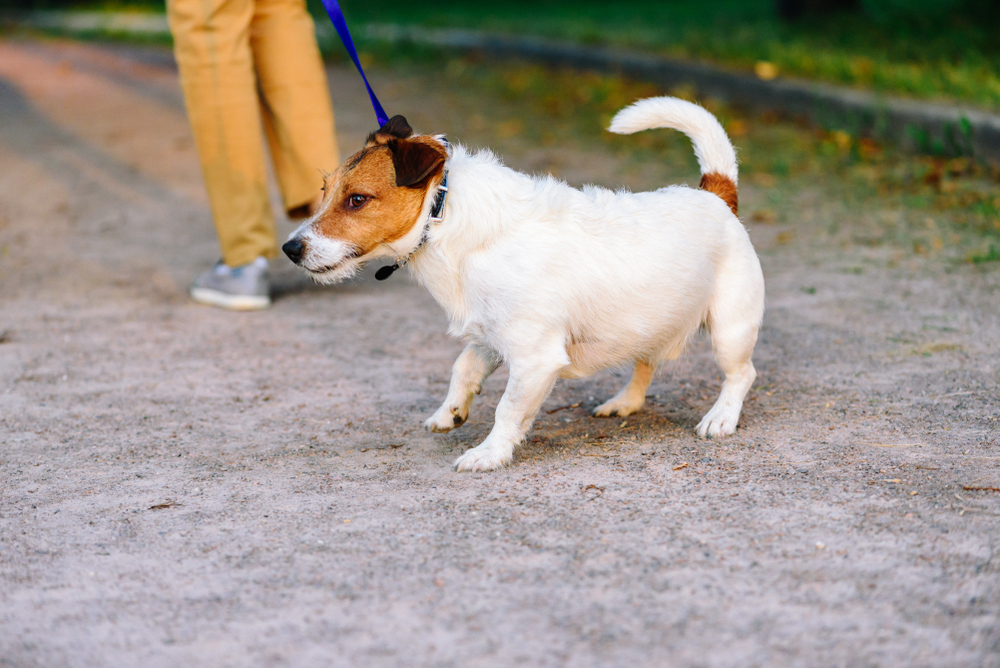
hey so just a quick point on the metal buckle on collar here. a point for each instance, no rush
(437, 211)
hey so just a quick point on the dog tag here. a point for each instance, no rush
(385, 272)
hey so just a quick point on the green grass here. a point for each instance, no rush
(924, 49)
(956, 57)
(992, 255)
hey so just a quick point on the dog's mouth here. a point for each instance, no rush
(324, 258)
(339, 264)
(324, 270)
(334, 271)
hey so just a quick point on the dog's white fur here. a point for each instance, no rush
(559, 283)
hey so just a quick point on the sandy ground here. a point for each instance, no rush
(181, 486)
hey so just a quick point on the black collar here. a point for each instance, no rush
(436, 216)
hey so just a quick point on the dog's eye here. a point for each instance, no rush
(356, 201)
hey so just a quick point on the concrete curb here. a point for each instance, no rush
(918, 126)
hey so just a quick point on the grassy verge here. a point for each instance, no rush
(946, 56)
(954, 59)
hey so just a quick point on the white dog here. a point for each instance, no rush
(553, 281)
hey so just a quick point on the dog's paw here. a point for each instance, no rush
(446, 418)
(484, 458)
(718, 422)
(619, 406)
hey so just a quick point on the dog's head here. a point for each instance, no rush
(374, 199)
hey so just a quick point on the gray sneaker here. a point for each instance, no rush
(243, 288)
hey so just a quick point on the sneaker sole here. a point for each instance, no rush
(230, 302)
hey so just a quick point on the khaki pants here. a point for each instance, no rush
(248, 66)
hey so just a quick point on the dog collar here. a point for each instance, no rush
(436, 216)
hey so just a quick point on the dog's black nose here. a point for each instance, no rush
(293, 249)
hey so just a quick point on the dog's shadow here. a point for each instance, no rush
(287, 280)
(565, 426)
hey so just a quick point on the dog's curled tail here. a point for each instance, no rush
(712, 147)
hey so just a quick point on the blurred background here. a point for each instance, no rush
(920, 48)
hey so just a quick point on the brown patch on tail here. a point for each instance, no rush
(722, 186)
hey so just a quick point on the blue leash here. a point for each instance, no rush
(337, 17)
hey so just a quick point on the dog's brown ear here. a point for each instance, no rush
(397, 127)
(416, 161)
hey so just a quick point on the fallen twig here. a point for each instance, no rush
(562, 408)
(169, 503)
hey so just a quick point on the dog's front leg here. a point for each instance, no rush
(530, 382)
(472, 367)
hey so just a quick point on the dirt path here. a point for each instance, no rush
(181, 486)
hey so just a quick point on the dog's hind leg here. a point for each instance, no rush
(472, 367)
(631, 397)
(531, 379)
(721, 420)
(733, 320)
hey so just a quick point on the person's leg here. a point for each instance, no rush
(298, 115)
(212, 48)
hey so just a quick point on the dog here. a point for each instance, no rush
(553, 281)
